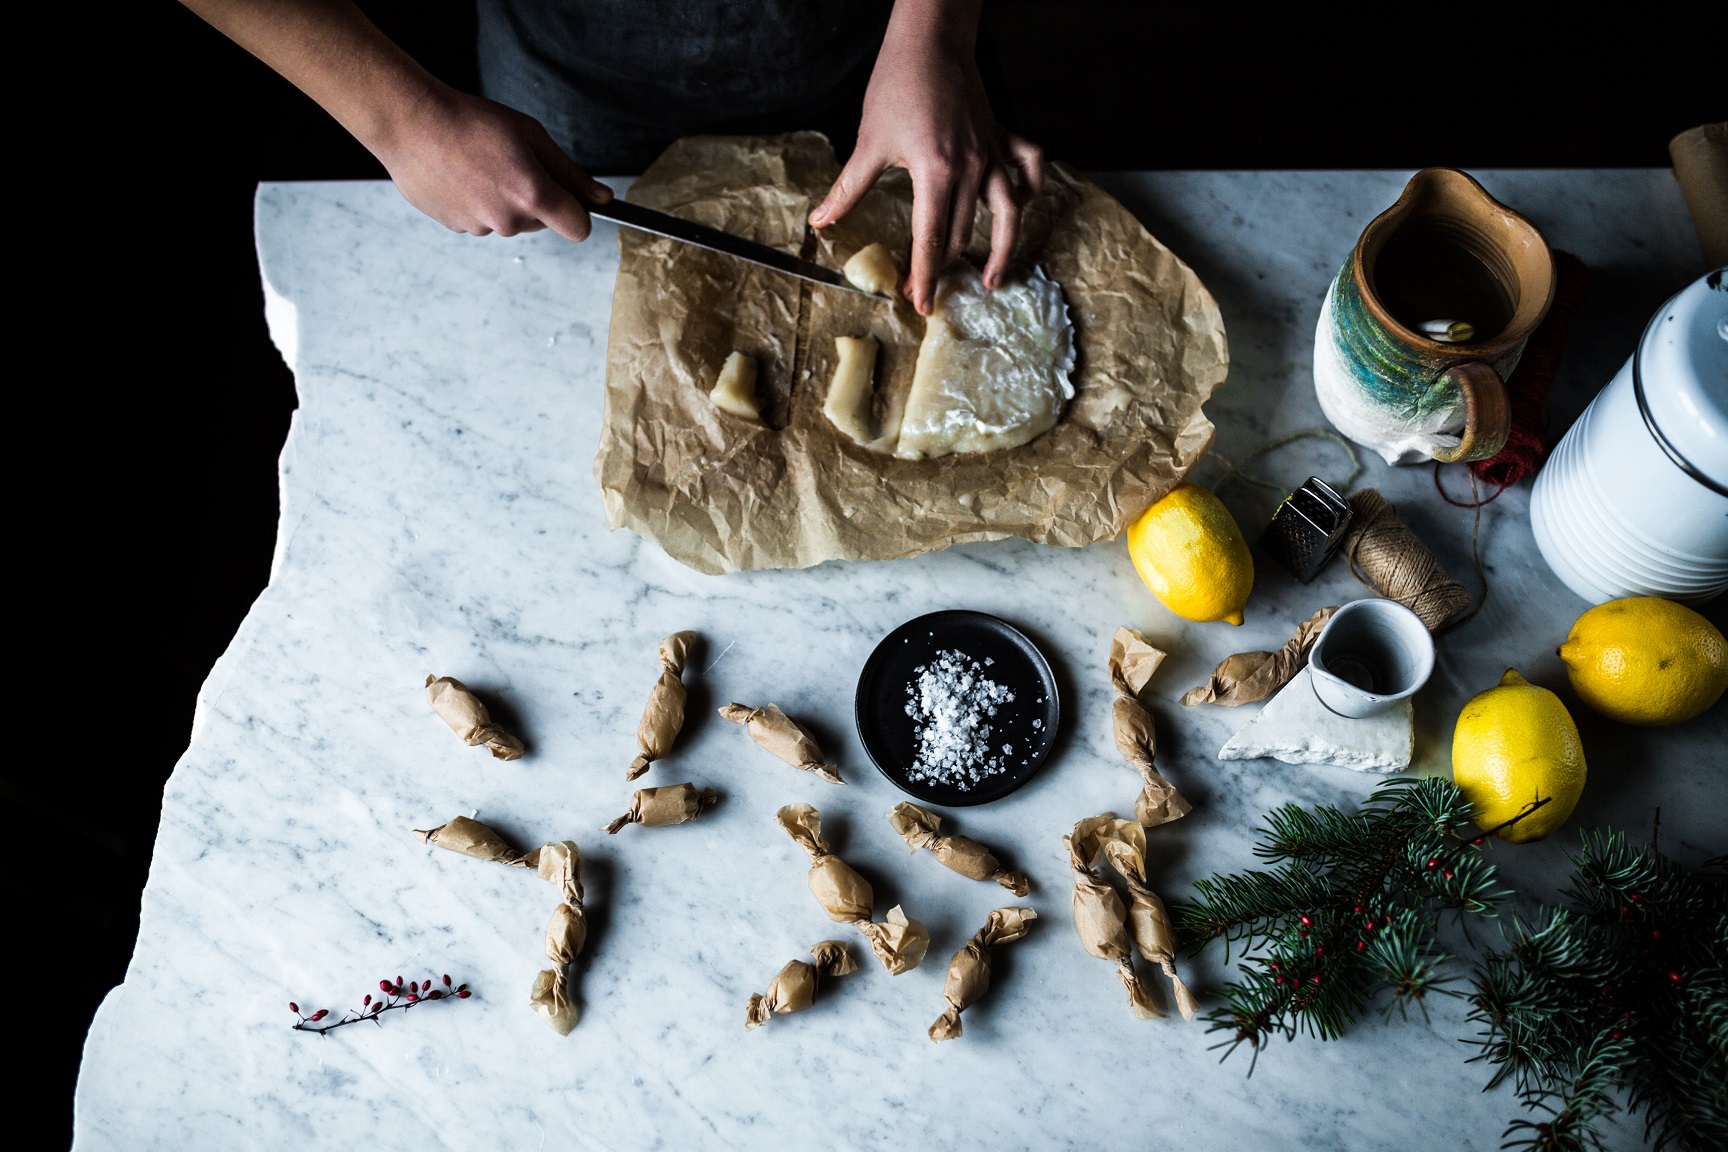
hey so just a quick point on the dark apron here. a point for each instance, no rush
(616, 81)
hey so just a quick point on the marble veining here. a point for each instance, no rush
(440, 514)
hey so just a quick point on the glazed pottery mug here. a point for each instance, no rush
(1426, 320)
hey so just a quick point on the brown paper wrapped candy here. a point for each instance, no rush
(961, 853)
(557, 862)
(898, 940)
(1099, 915)
(794, 989)
(783, 736)
(468, 717)
(1132, 662)
(1124, 843)
(969, 971)
(663, 718)
(1250, 676)
(658, 807)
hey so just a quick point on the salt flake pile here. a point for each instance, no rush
(951, 702)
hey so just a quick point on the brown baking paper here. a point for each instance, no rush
(658, 807)
(1099, 915)
(722, 494)
(898, 940)
(969, 971)
(1250, 676)
(783, 736)
(1132, 662)
(920, 827)
(557, 862)
(468, 717)
(794, 989)
(663, 717)
(1124, 844)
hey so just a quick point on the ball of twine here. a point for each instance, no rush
(1387, 556)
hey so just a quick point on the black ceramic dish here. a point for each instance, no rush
(1028, 723)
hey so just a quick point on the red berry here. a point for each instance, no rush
(434, 995)
(1674, 976)
(1434, 862)
(383, 985)
(1447, 873)
(367, 1000)
(1634, 897)
(1320, 950)
(1301, 931)
(293, 1007)
(1618, 1033)
(462, 988)
(378, 1007)
(1358, 908)
(1316, 977)
(398, 981)
(1361, 944)
(446, 979)
(320, 1014)
(1273, 965)
(1479, 841)
(463, 995)
(412, 998)
(1307, 923)
(1655, 934)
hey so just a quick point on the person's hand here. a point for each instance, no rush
(476, 166)
(925, 110)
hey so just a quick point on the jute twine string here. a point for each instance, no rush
(1388, 557)
(1382, 551)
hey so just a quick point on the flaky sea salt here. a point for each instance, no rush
(951, 702)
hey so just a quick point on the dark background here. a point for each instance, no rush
(149, 500)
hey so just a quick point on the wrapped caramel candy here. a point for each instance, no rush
(898, 940)
(472, 838)
(794, 989)
(557, 862)
(566, 935)
(664, 716)
(961, 853)
(1099, 916)
(468, 717)
(1124, 843)
(1250, 676)
(1132, 662)
(969, 971)
(657, 807)
(783, 736)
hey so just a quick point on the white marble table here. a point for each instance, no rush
(439, 514)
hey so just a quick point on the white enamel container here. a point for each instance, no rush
(1634, 500)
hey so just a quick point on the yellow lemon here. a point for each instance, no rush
(1645, 660)
(1516, 744)
(1191, 554)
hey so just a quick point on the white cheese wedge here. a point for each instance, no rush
(735, 389)
(849, 392)
(1296, 728)
(993, 369)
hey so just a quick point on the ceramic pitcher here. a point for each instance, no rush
(1427, 318)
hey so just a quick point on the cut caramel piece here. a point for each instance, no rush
(993, 367)
(849, 393)
(735, 390)
(871, 269)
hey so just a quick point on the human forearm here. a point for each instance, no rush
(329, 50)
(472, 165)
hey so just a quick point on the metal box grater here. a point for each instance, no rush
(1306, 529)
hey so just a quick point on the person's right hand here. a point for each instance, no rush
(476, 166)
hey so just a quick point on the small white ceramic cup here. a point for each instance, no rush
(1370, 655)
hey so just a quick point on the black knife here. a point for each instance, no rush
(621, 211)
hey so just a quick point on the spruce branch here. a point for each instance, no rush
(1348, 911)
(1625, 989)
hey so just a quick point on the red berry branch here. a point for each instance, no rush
(393, 995)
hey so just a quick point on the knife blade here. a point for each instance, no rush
(621, 211)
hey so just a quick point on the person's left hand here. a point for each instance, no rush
(926, 111)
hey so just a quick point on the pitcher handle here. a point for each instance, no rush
(1487, 414)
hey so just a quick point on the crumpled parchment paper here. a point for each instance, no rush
(722, 494)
